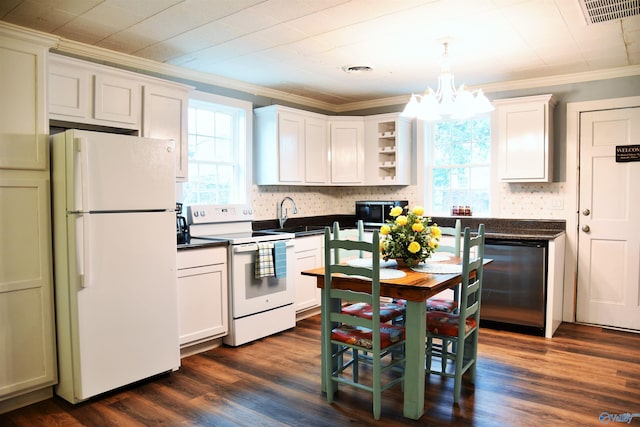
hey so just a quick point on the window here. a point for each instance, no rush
(219, 158)
(459, 166)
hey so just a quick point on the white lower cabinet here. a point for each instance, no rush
(27, 336)
(309, 254)
(202, 295)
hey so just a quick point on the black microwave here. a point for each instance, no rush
(374, 213)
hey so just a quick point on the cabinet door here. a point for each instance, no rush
(27, 353)
(347, 152)
(202, 295)
(69, 97)
(308, 256)
(291, 147)
(116, 100)
(316, 151)
(165, 116)
(23, 119)
(524, 139)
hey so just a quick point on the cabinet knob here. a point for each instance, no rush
(586, 228)
(586, 212)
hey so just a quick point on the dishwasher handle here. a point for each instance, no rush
(516, 242)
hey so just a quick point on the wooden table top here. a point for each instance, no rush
(415, 286)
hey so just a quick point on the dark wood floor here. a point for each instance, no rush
(522, 381)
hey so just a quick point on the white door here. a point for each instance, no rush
(609, 221)
(119, 172)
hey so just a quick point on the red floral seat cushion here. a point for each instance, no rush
(388, 310)
(362, 337)
(441, 304)
(447, 324)
(435, 304)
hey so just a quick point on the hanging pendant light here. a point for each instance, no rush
(447, 101)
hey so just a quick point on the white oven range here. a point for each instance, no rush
(258, 307)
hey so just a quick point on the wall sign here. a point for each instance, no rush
(627, 153)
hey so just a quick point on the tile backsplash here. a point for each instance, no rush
(520, 200)
(312, 201)
(532, 200)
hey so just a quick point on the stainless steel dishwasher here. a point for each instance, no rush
(514, 285)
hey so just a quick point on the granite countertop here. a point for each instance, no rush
(496, 228)
(194, 243)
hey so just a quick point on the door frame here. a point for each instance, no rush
(574, 109)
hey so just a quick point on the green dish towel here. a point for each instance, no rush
(280, 259)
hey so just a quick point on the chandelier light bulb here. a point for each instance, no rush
(447, 101)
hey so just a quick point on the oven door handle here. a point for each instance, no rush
(253, 247)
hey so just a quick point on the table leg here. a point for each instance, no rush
(415, 324)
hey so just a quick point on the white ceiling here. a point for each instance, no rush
(300, 46)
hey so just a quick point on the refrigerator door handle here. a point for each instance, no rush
(81, 174)
(83, 255)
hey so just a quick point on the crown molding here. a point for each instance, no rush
(105, 55)
(25, 34)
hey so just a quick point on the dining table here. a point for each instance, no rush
(415, 286)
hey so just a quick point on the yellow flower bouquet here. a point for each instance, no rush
(408, 237)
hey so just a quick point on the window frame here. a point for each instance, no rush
(227, 102)
(429, 129)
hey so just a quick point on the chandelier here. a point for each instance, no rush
(447, 101)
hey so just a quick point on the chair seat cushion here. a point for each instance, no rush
(388, 310)
(433, 304)
(441, 304)
(442, 323)
(362, 337)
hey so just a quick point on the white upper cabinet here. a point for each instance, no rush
(290, 147)
(347, 150)
(296, 147)
(24, 128)
(82, 92)
(316, 151)
(93, 94)
(388, 144)
(116, 100)
(524, 134)
(164, 112)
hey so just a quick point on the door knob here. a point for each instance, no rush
(586, 212)
(586, 228)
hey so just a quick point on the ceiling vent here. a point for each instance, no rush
(596, 11)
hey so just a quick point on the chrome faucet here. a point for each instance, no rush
(283, 214)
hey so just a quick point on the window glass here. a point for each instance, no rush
(459, 166)
(219, 135)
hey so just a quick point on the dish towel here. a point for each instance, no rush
(264, 261)
(280, 259)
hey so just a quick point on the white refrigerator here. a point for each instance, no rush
(114, 260)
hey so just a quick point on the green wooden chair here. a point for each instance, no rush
(456, 233)
(456, 334)
(389, 310)
(442, 302)
(345, 337)
(350, 234)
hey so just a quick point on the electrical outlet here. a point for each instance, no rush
(557, 203)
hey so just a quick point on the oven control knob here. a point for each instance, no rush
(196, 214)
(203, 213)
